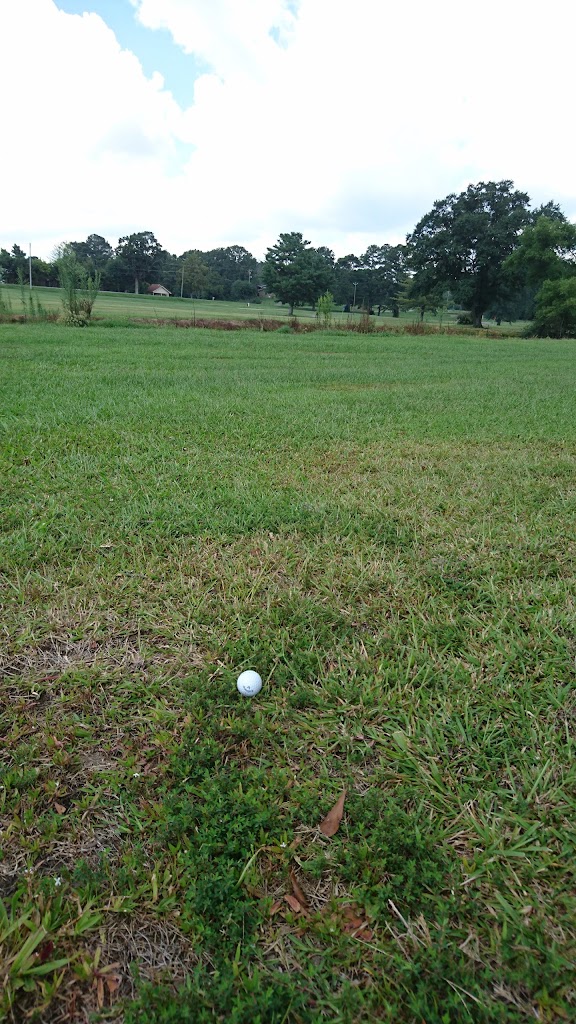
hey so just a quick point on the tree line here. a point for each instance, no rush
(138, 261)
(485, 251)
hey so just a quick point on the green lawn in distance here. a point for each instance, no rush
(384, 529)
(122, 306)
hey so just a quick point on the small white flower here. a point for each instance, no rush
(136, 775)
(283, 845)
(58, 880)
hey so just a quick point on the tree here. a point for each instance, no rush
(295, 272)
(44, 274)
(546, 252)
(243, 290)
(545, 260)
(463, 242)
(12, 264)
(199, 280)
(411, 296)
(230, 264)
(346, 274)
(140, 253)
(382, 273)
(555, 315)
(94, 253)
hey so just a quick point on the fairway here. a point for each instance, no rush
(120, 308)
(383, 528)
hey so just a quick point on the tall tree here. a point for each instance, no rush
(12, 264)
(382, 275)
(231, 264)
(140, 253)
(545, 261)
(463, 242)
(94, 253)
(198, 278)
(347, 271)
(546, 251)
(295, 272)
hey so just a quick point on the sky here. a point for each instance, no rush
(222, 122)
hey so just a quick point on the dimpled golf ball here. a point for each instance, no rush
(249, 683)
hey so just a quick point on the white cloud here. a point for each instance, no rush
(342, 120)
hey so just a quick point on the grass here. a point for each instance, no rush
(384, 528)
(120, 307)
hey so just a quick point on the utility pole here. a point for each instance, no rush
(182, 283)
(355, 286)
(30, 263)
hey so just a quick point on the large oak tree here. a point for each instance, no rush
(463, 242)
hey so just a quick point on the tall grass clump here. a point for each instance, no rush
(32, 308)
(6, 312)
(79, 288)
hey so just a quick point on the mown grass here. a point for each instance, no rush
(118, 308)
(384, 528)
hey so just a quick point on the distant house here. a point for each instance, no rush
(158, 289)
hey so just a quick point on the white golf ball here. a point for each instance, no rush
(249, 683)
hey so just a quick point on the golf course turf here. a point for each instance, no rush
(383, 528)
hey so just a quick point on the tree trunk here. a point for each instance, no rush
(136, 284)
(291, 310)
(477, 317)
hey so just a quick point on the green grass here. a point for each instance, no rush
(384, 528)
(119, 307)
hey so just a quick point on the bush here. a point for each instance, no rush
(555, 315)
(79, 289)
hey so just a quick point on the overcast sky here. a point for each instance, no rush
(214, 122)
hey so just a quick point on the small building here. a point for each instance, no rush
(158, 289)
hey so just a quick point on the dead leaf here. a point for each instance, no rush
(293, 903)
(331, 823)
(57, 743)
(59, 808)
(45, 951)
(297, 890)
(352, 919)
(275, 907)
(112, 983)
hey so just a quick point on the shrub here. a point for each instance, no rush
(79, 288)
(325, 308)
(555, 315)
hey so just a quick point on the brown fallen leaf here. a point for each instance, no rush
(293, 903)
(331, 823)
(275, 907)
(59, 808)
(352, 919)
(297, 890)
(112, 983)
(355, 925)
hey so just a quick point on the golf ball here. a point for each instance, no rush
(249, 683)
